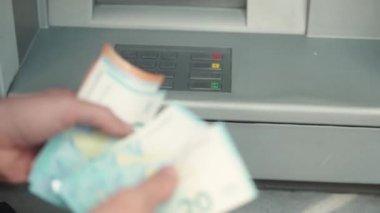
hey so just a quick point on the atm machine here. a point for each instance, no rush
(296, 81)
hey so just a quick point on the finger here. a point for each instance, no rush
(144, 198)
(59, 91)
(53, 92)
(15, 165)
(158, 188)
(100, 117)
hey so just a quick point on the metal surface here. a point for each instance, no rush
(269, 201)
(299, 87)
(8, 46)
(193, 3)
(309, 153)
(344, 18)
(369, 189)
(26, 24)
(260, 16)
(275, 78)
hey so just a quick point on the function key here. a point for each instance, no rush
(208, 85)
(148, 54)
(128, 54)
(216, 66)
(205, 74)
(168, 64)
(147, 63)
(215, 85)
(168, 84)
(132, 61)
(206, 56)
(167, 74)
(216, 56)
(169, 55)
(206, 66)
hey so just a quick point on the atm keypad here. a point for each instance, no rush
(184, 68)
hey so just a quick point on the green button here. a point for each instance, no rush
(215, 85)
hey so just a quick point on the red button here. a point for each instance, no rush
(216, 56)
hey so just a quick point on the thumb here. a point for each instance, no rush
(143, 198)
(158, 188)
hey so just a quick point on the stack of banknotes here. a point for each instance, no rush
(81, 167)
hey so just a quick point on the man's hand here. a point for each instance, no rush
(26, 122)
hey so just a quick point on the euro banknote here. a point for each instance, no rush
(81, 167)
(212, 175)
(130, 93)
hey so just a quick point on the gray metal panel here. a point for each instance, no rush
(275, 78)
(43, 18)
(309, 153)
(344, 18)
(261, 16)
(26, 23)
(194, 3)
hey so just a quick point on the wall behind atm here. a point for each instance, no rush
(18, 27)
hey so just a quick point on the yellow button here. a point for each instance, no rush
(215, 66)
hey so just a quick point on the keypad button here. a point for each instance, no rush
(148, 54)
(125, 52)
(132, 61)
(148, 63)
(216, 66)
(166, 73)
(206, 56)
(201, 65)
(168, 64)
(205, 85)
(169, 55)
(206, 66)
(215, 85)
(216, 56)
(205, 74)
(150, 70)
(168, 84)
(128, 54)
(184, 68)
